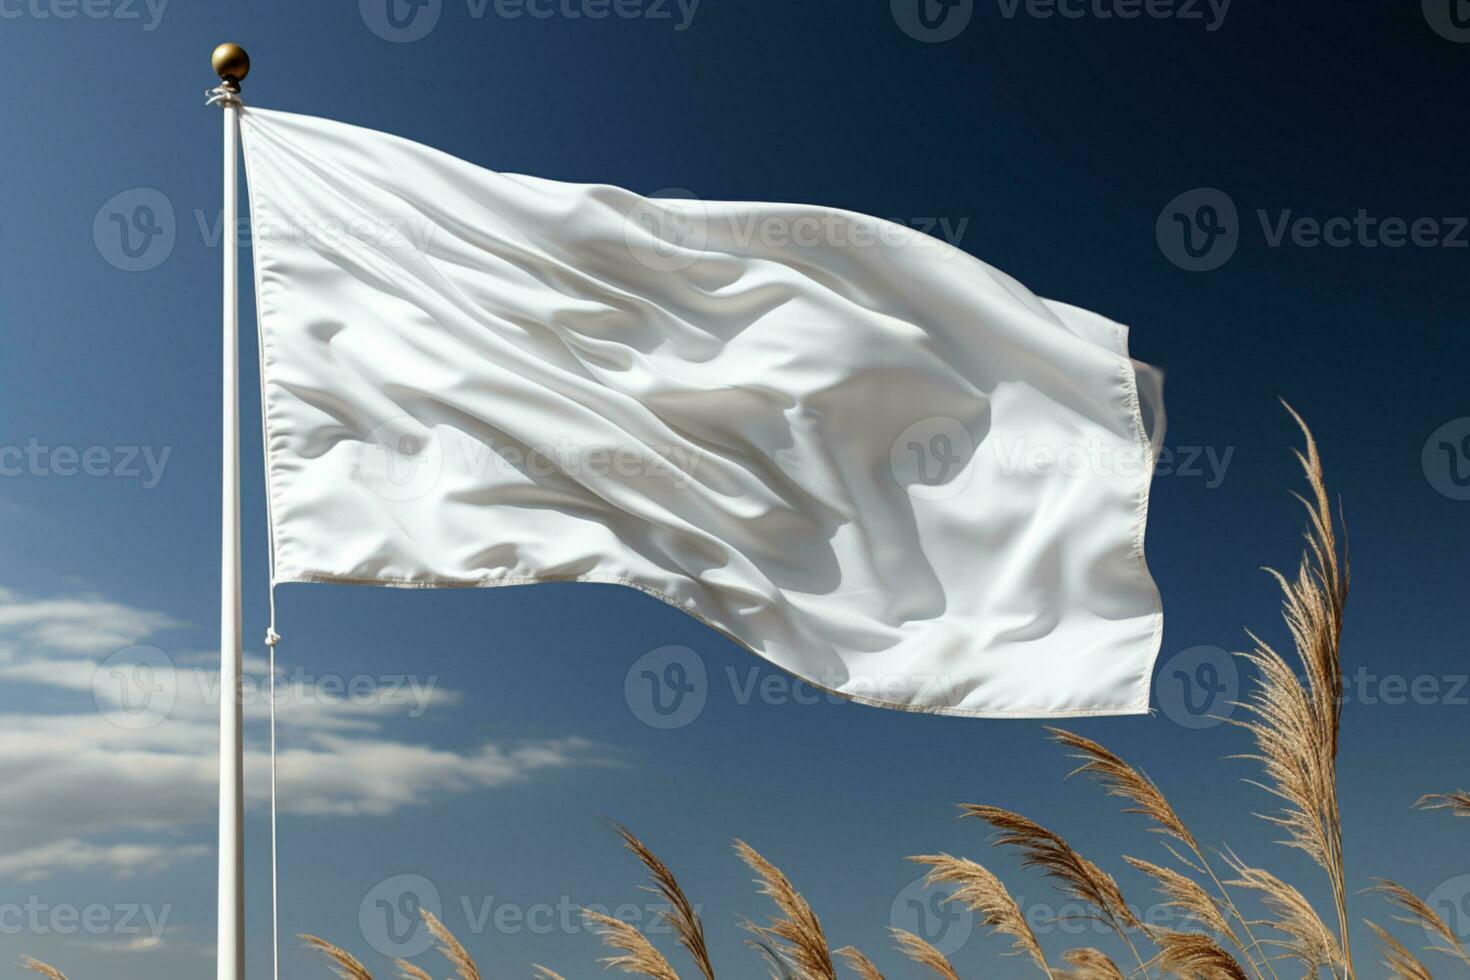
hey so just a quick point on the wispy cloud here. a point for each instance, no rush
(72, 855)
(151, 756)
(84, 624)
(136, 944)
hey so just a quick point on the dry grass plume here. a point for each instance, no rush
(344, 964)
(407, 971)
(983, 893)
(1308, 939)
(860, 964)
(1079, 877)
(1127, 783)
(924, 954)
(1401, 964)
(635, 953)
(1089, 964)
(1420, 914)
(1194, 956)
(1295, 725)
(1187, 896)
(797, 930)
(681, 915)
(450, 947)
(1458, 802)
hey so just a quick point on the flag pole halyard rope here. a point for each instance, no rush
(271, 639)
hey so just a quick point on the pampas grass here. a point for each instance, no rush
(681, 916)
(1401, 964)
(1188, 897)
(1089, 964)
(348, 967)
(1308, 939)
(407, 971)
(924, 954)
(1123, 781)
(860, 964)
(1421, 915)
(635, 954)
(1195, 956)
(1296, 725)
(45, 969)
(1078, 877)
(344, 964)
(797, 931)
(778, 967)
(450, 947)
(1458, 802)
(983, 893)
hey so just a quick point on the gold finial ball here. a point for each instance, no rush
(230, 62)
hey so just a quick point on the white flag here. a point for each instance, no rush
(855, 450)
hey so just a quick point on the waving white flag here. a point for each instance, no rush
(855, 450)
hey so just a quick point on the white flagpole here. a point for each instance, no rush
(231, 64)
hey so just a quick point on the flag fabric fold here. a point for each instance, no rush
(855, 450)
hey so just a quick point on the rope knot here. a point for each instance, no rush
(272, 637)
(222, 96)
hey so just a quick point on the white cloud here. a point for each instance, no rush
(137, 944)
(136, 749)
(353, 777)
(58, 769)
(72, 855)
(85, 624)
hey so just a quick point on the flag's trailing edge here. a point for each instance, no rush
(860, 453)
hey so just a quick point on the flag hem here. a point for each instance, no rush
(1138, 708)
(1140, 525)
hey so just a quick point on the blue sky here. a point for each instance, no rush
(463, 744)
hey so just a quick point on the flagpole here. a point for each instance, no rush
(232, 65)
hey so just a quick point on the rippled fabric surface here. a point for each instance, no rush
(859, 452)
